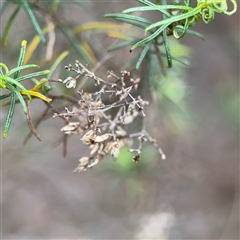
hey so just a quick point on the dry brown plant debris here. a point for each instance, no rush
(104, 117)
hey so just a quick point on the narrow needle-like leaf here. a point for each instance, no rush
(9, 115)
(76, 44)
(165, 40)
(8, 26)
(33, 19)
(21, 68)
(143, 53)
(5, 96)
(56, 63)
(21, 100)
(32, 75)
(21, 57)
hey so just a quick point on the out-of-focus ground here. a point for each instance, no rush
(193, 194)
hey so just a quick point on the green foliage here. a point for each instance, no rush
(8, 26)
(177, 18)
(24, 4)
(12, 84)
(65, 29)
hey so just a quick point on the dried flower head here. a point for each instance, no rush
(105, 117)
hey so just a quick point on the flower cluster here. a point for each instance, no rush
(104, 117)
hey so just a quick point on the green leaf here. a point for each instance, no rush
(177, 59)
(54, 6)
(9, 115)
(150, 68)
(167, 48)
(8, 26)
(73, 39)
(149, 38)
(173, 19)
(143, 54)
(21, 99)
(157, 8)
(21, 57)
(5, 68)
(5, 96)
(165, 12)
(153, 8)
(166, 43)
(122, 45)
(137, 24)
(146, 2)
(2, 84)
(56, 63)
(129, 19)
(194, 33)
(21, 68)
(32, 19)
(184, 30)
(10, 82)
(32, 75)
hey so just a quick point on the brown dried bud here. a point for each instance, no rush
(136, 158)
(68, 68)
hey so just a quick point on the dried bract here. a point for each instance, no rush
(70, 82)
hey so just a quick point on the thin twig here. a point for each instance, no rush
(36, 126)
(63, 97)
(153, 142)
(159, 57)
(33, 130)
(65, 138)
(98, 65)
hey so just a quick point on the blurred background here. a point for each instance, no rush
(194, 115)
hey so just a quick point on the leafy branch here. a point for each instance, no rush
(177, 18)
(12, 84)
